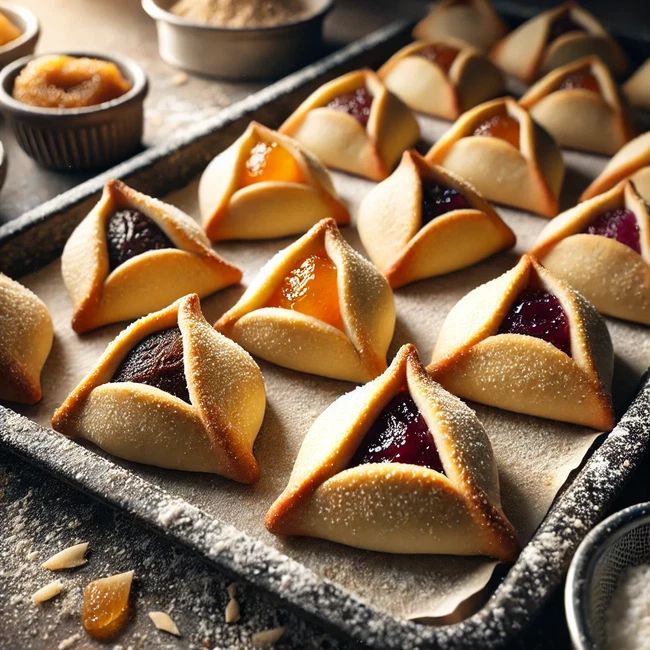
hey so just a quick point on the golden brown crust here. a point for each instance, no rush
(26, 336)
(579, 118)
(340, 141)
(633, 162)
(426, 87)
(390, 218)
(270, 208)
(215, 433)
(611, 275)
(637, 87)
(529, 178)
(476, 23)
(144, 283)
(526, 54)
(396, 507)
(523, 373)
(295, 340)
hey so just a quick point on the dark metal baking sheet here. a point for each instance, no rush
(37, 237)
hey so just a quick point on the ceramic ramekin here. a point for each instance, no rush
(73, 139)
(241, 53)
(27, 23)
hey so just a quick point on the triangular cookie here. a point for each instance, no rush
(266, 185)
(602, 248)
(530, 343)
(554, 38)
(442, 78)
(580, 105)
(505, 155)
(355, 124)
(637, 87)
(475, 22)
(133, 255)
(631, 162)
(163, 394)
(317, 306)
(400, 466)
(26, 337)
(424, 221)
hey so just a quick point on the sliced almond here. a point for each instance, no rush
(68, 558)
(164, 622)
(50, 590)
(232, 611)
(267, 637)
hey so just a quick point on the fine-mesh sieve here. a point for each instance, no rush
(619, 542)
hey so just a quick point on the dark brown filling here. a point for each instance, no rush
(157, 361)
(130, 233)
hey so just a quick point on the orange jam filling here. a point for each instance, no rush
(105, 607)
(8, 31)
(59, 81)
(440, 54)
(500, 126)
(270, 162)
(310, 288)
(584, 80)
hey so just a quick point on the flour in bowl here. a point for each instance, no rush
(628, 618)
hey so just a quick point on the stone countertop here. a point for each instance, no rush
(40, 515)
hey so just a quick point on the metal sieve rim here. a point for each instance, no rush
(577, 592)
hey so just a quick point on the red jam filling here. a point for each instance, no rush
(440, 54)
(356, 103)
(399, 435)
(500, 126)
(130, 233)
(584, 80)
(438, 199)
(157, 361)
(620, 224)
(563, 24)
(538, 313)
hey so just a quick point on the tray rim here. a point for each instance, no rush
(516, 600)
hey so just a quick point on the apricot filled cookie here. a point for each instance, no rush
(266, 185)
(26, 336)
(424, 221)
(580, 105)
(505, 155)
(400, 466)
(133, 255)
(317, 306)
(170, 391)
(554, 38)
(355, 124)
(602, 248)
(442, 78)
(530, 343)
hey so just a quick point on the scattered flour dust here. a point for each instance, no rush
(628, 618)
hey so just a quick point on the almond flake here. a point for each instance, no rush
(68, 558)
(232, 611)
(267, 637)
(50, 590)
(164, 622)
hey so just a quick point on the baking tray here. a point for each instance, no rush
(37, 238)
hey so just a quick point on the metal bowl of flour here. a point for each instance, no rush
(250, 53)
(620, 542)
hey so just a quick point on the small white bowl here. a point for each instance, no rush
(25, 44)
(237, 53)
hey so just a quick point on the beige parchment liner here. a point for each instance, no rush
(534, 456)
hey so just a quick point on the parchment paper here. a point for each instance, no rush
(534, 456)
